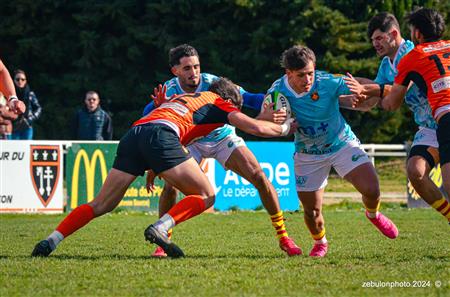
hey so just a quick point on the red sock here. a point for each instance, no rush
(79, 217)
(187, 208)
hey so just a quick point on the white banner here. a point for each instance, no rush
(31, 176)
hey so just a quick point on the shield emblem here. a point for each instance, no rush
(44, 167)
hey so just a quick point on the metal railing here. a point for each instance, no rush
(385, 150)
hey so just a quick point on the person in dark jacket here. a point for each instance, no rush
(91, 122)
(23, 125)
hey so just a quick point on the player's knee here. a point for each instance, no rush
(258, 178)
(313, 214)
(415, 174)
(169, 191)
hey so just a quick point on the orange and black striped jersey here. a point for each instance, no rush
(428, 66)
(193, 115)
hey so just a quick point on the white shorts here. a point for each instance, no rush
(220, 151)
(425, 136)
(311, 171)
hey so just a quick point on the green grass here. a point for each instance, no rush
(391, 172)
(231, 254)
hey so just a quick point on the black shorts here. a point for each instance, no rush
(151, 146)
(429, 153)
(443, 138)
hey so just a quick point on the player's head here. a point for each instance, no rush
(427, 25)
(20, 78)
(92, 100)
(299, 63)
(384, 32)
(226, 89)
(185, 64)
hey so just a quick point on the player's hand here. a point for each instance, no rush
(159, 95)
(355, 87)
(150, 186)
(17, 106)
(276, 116)
(349, 101)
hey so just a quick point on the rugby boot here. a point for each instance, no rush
(319, 250)
(385, 225)
(154, 236)
(289, 246)
(42, 249)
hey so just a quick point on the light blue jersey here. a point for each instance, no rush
(322, 128)
(414, 98)
(174, 88)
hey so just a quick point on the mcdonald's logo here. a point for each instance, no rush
(90, 165)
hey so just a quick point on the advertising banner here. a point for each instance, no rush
(31, 177)
(233, 191)
(88, 164)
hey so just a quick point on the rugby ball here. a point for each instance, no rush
(280, 102)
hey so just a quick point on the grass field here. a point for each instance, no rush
(229, 254)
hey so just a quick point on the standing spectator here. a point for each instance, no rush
(23, 125)
(92, 122)
(6, 117)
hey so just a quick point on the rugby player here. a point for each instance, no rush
(324, 140)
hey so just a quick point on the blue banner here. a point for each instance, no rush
(276, 159)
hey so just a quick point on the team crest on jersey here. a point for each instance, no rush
(315, 96)
(44, 168)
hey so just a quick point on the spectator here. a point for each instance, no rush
(23, 125)
(6, 118)
(92, 122)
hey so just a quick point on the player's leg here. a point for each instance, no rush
(354, 165)
(167, 200)
(443, 136)
(169, 196)
(243, 162)
(193, 183)
(312, 209)
(110, 195)
(420, 162)
(127, 165)
(311, 177)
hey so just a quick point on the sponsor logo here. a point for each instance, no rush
(301, 180)
(44, 169)
(357, 157)
(89, 167)
(436, 47)
(441, 84)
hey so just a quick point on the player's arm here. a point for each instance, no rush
(394, 99)
(260, 128)
(6, 82)
(8, 90)
(353, 102)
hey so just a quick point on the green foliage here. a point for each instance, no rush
(227, 254)
(119, 48)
